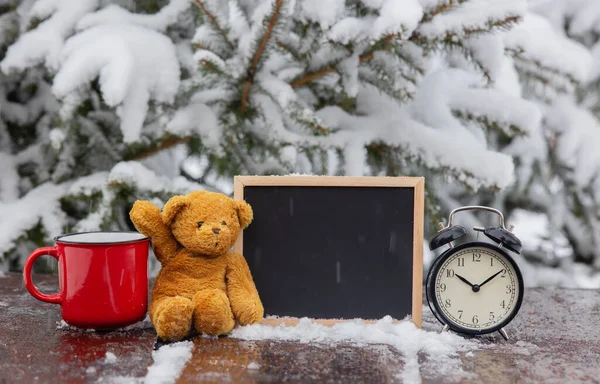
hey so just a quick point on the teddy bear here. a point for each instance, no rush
(202, 285)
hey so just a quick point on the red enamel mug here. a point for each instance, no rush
(103, 278)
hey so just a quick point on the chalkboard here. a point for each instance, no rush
(335, 247)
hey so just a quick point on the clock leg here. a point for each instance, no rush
(445, 329)
(503, 333)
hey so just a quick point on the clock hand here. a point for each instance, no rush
(474, 287)
(464, 280)
(491, 277)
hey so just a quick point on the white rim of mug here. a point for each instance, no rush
(61, 238)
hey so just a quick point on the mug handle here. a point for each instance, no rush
(55, 298)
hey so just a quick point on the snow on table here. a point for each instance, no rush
(405, 338)
(554, 338)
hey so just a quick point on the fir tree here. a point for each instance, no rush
(555, 58)
(152, 98)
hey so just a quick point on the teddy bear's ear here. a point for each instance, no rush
(245, 214)
(172, 207)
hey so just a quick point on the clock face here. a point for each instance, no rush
(476, 288)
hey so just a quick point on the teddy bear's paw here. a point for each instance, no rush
(250, 313)
(145, 216)
(173, 318)
(212, 312)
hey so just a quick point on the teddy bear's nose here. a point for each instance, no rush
(217, 230)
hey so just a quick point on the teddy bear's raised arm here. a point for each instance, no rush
(147, 219)
(245, 302)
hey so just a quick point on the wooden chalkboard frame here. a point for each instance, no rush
(417, 183)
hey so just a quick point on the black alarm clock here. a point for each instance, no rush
(476, 287)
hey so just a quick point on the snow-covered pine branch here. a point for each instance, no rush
(321, 60)
(553, 53)
(146, 100)
(550, 63)
(64, 161)
(280, 86)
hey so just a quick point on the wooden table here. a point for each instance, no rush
(554, 339)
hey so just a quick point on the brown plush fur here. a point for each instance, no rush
(202, 285)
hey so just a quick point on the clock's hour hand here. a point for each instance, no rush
(491, 277)
(464, 280)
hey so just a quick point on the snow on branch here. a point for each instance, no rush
(130, 74)
(257, 58)
(487, 54)
(546, 56)
(433, 143)
(313, 11)
(9, 178)
(212, 61)
(88, 185)
(425, 129)
(464, 19)
(433, 8)
(115, 14)
(197, 119)
(44, 43)
(41, 205)
(307, 77)
(291, 105)
(496, 110)
(135, 175)
(391, 18)
(456, 92)
(580, 19)
(307, 67)
(455, 23)
(577, 145)
(391, 74)
(217, 20)
(138, 151)
(29, 112)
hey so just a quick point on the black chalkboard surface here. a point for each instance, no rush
(335, 247)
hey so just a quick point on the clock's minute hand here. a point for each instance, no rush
(491, 277)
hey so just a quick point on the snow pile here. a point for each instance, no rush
(405, 337)
(110, 358)
(169, 361)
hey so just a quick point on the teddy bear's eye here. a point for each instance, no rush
(200, 223)
(223, 223)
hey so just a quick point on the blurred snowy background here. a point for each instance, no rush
(494, 102)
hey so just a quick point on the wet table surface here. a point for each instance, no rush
(554, 339)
